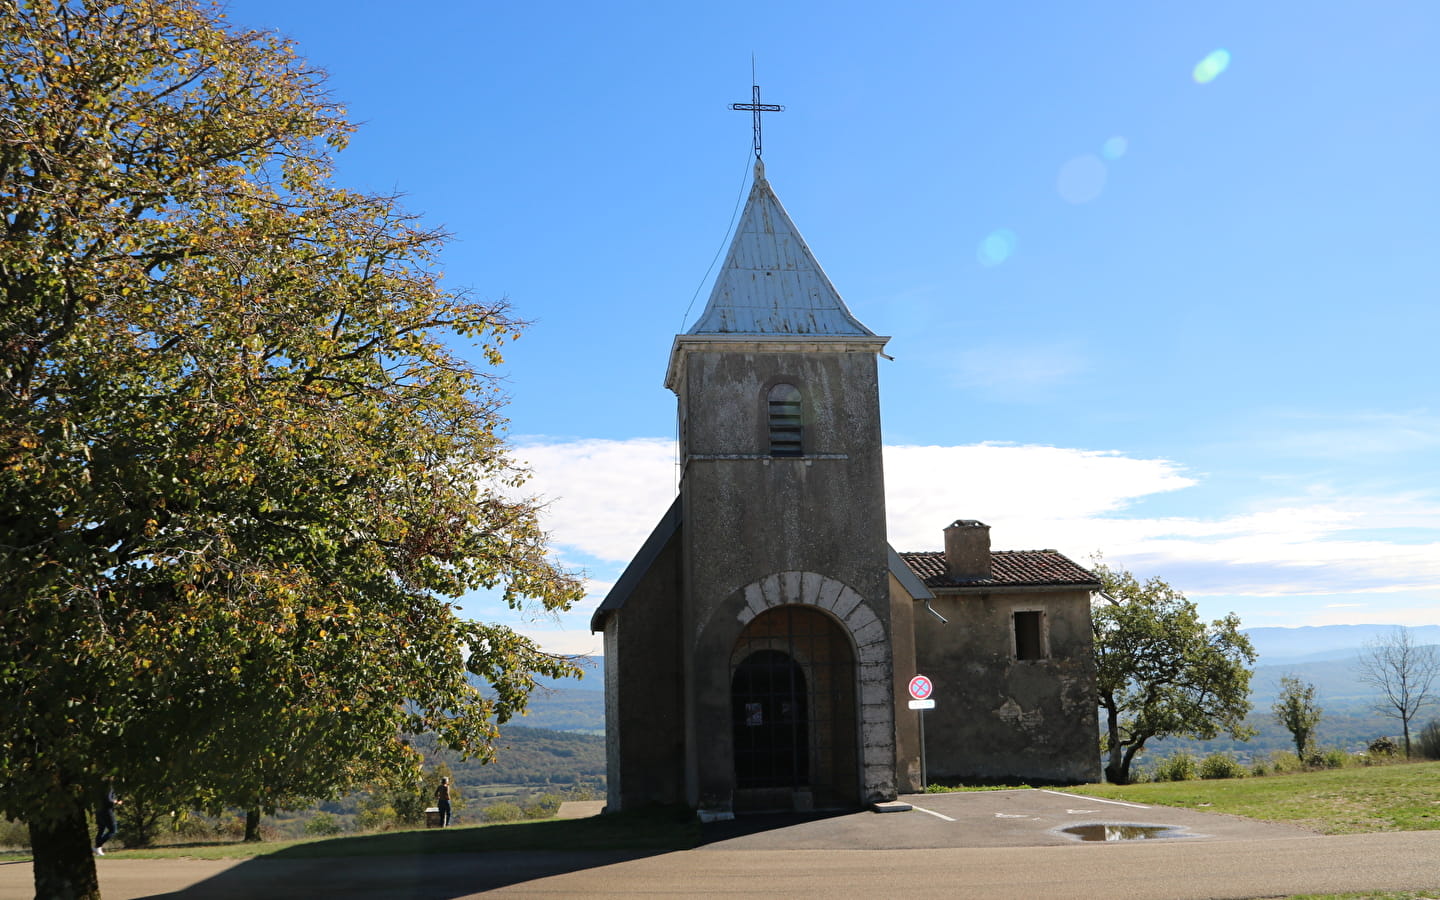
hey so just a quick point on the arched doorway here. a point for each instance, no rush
(793, 712)
(771, 726)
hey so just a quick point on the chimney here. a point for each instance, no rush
(967, 550)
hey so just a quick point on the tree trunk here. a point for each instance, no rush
(64, 863)
(142, 823)
(252, 824)
(1130, 753)
(1114, 771)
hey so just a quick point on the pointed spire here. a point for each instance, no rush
(771, 283)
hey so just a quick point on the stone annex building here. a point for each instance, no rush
(759, 646)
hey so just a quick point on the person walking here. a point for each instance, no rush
(442, 801)
(105, 824)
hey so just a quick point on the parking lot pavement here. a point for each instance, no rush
(1011, 818)
(1000, 845)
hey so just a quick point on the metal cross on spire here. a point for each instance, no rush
(756, 107)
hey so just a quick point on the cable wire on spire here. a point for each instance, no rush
(729, 230)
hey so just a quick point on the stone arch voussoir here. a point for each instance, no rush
(869, 638)
(866, 629)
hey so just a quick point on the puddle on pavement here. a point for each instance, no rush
(1122, 832)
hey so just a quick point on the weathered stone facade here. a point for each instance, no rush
(1013, 666)
(757, 646)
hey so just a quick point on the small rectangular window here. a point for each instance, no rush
(1029, 634)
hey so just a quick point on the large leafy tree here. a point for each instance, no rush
(1161, 670)
(243, 472)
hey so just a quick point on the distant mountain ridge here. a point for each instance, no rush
(1320, 654)
(593, 679)
(1277, 645)
(1316, 643)
(1326, 656)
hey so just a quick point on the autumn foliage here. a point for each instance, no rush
(244, 470)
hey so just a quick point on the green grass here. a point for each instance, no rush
(1378, 895)
(1402, 797)
(959, 788)
(662, 829)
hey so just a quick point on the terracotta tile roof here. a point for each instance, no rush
(1008, 568)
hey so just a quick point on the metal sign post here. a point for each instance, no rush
(921, 689)
(924, 776)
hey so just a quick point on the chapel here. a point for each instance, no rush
(760, 647)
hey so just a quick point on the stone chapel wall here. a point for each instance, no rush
(998, 717)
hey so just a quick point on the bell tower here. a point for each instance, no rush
(783, 550)
(757, 644)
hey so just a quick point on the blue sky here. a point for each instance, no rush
(1184, 318)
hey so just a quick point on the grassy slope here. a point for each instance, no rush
(1401, 797)
(652, 829)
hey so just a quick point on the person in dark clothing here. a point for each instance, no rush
(442, 801)
(105, 823)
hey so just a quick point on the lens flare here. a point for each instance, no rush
(1209, 68)
(1082, 179)
(1114, 148)
(998, 246)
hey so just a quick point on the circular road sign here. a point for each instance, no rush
(921, 688)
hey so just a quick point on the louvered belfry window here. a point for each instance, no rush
(785, 428)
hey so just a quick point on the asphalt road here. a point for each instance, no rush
(992, 845)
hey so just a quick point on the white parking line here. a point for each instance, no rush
(1095, 799)
(932, 812)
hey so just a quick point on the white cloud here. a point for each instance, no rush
(557, 632)
(571, 641)
(1031, 496)
(1381, 615)
(1392, 608)
(606, 496)
(596, 590)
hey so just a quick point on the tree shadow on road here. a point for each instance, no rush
(757, 823)
(441, 864)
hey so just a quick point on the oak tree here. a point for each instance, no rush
(1161, 671)
(244, 469)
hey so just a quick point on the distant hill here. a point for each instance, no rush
(593, 680)
(1327, 657)
(566, 704)
(564, 710)
(531, 756)
(1322, 655)
(1314, 643)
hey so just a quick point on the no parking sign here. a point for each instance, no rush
(920, 690)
